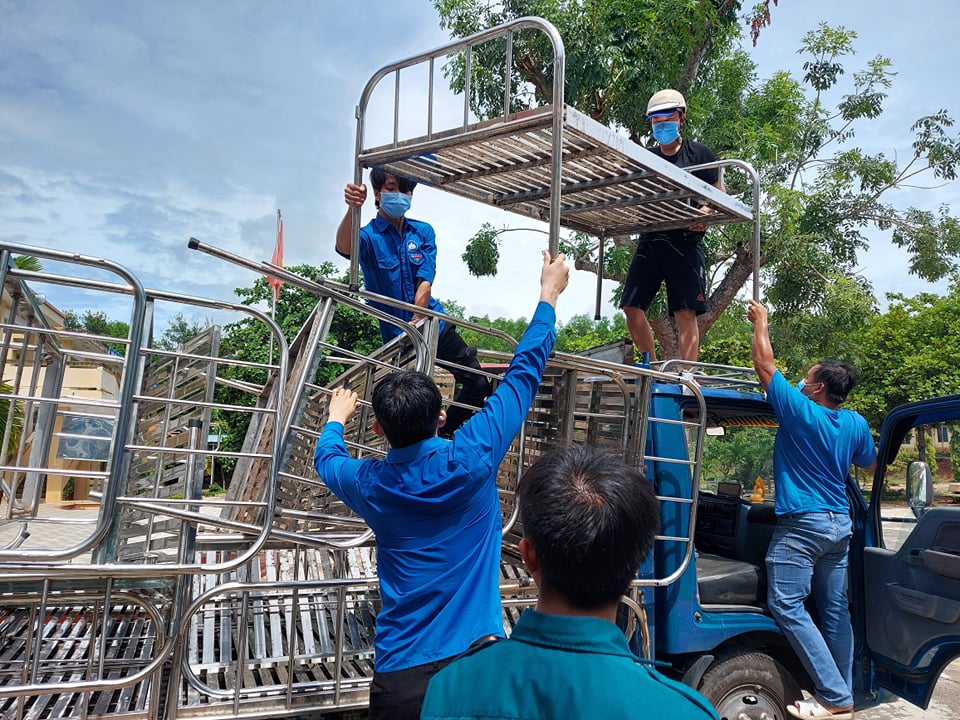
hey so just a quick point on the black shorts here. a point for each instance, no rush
(680, 265)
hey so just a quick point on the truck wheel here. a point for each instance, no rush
(751, 686)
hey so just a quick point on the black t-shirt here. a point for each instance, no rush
(690, 153)
(693, 153)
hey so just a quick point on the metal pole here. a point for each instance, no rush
(596, 315)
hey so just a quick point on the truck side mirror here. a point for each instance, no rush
(919, 486)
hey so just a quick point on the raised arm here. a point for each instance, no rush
(488, 434)
(354, 196)
(763, 361)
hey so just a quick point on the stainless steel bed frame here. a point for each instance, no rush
(262, 604)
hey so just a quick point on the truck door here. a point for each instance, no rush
(911, 563)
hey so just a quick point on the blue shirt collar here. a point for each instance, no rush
(381, 224)
(411, 452)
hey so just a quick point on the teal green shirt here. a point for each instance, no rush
(555, 666)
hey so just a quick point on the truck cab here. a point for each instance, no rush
(711, 624)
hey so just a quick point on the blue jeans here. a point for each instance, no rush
(808, 553)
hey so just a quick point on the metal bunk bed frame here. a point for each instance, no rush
(552, 163)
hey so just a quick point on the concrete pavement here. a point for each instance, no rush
(945, 704)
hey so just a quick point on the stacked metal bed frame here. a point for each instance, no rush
(263, 604)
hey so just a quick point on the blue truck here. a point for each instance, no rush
(157, 602)
(710, 623)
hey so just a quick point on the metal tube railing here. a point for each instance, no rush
(466, 46)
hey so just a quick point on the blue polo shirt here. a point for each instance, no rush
(392, 263)
(814, 449)
(436, 514)
(558, 666)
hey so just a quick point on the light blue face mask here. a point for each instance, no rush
(395, 204)
(801, 384)
(666, 132)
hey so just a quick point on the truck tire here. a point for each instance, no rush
(749, 685)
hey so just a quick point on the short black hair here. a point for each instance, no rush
(838, 378)
(591, 518)
(378, 176)
(407, 406)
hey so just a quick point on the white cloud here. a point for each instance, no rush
(127, 127)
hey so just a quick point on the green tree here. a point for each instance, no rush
(180, 331)
(582, 332)
(97, 323)
(831, 328)
(739, 455)
(249, 340)
(820, 195)
(910, 352)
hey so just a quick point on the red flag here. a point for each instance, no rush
(277, 259)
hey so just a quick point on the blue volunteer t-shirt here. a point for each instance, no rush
(435, 511)
(814, 449)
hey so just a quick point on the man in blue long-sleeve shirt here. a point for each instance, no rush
(434, 508)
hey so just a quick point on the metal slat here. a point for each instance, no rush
(610, 184)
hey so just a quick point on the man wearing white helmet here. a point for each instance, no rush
(674, 257)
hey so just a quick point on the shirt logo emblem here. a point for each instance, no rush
(411, 245)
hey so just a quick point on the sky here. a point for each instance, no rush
(127, 127)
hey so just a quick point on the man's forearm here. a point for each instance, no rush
(762, 350)
(344, 233)
(423, 294)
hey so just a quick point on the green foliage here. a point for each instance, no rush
(830, 329)
(729, 342)
(616, 51)
(179, 332)
(739, 455)
(822, 197)
(249, 340)
(97, 323)
(15, 422)
(909, 353)
(582, 332)
(28, 262)
(483, 251)
(513, 328)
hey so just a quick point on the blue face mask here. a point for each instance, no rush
(666, 132)
(801, 384)
(395, 204)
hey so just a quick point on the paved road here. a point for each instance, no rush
(944, 705)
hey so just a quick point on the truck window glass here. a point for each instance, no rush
(925, 443)
(740, 455)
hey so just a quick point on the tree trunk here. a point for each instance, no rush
(665, 329)
(699, 52)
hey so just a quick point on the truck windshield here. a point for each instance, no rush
(735, 454)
